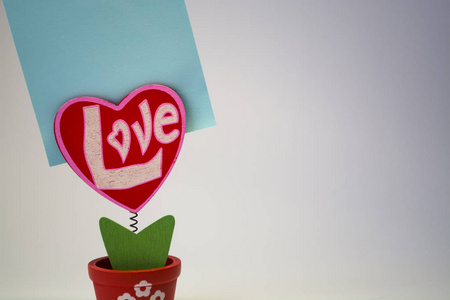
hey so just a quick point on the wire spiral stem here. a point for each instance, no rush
(133, 218)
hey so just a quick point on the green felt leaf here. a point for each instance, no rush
(130, 251)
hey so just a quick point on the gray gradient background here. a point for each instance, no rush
(327, 176)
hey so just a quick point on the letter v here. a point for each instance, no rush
(144, 137)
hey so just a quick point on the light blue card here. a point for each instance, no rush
(105, 49)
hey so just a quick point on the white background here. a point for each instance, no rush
(326, 177)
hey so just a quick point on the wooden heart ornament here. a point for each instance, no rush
(124, 152)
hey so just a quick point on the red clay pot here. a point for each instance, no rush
(153, 284)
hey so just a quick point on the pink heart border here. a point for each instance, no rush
(119, 107)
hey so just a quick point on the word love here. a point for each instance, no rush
(130, 176)
(123, 152)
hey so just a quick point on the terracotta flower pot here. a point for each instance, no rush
(153, 284)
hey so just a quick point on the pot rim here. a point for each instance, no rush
(109, 277)
(172, 262)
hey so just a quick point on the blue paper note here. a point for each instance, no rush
(105, 49)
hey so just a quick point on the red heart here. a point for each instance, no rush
(124, 152)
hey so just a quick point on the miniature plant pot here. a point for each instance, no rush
(153, 284)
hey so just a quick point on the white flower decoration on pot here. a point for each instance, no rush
(126, 296)
(159, 294)
(139, 286)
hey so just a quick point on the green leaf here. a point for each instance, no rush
(130, 251)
